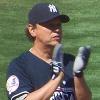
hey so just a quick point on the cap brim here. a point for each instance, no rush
(64, 18)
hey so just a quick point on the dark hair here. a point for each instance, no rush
(28, 35)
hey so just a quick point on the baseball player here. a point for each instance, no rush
(44, 72)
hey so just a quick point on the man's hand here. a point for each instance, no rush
(81, 59)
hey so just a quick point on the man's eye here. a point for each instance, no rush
(51, 25)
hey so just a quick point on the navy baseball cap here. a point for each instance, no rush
(44, 12)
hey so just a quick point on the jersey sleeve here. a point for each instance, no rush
(18, 83)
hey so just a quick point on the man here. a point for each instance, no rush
(35, 75)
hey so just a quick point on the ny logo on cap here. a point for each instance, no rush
(52, 8)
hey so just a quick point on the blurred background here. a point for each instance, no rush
(83, 29)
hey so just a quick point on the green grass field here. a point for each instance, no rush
(83, 29)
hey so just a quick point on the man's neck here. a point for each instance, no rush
(44, 53)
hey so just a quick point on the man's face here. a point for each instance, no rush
(49, 33)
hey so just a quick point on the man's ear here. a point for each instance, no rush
(31, 29)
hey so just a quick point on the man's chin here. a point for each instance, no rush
(55, 43)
